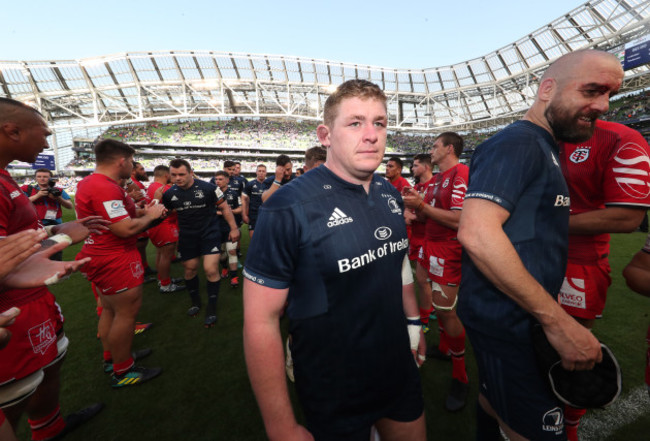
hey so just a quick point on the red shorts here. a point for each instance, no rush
(442, 261)
(415, 243)
(114, 273)
(163, 234)
(33, 342)
(584, 289)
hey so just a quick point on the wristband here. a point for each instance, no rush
(49, 229)
(278, 183)
(414, 327)
(58, 238)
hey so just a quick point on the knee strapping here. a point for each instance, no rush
(231, 248)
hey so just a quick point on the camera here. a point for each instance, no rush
(51, 190)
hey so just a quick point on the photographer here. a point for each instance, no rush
(48, 200)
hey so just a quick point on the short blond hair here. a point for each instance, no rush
(350, 89)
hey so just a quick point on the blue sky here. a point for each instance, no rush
(401, 34)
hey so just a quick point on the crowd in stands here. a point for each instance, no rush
(629, 108)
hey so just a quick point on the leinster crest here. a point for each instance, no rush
(580, 155)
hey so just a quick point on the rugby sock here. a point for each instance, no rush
(48, 426)
(487, 428)
(193, 288)
(457, 351)
(165, 282)
(213, 293)
(572, 417)
(443, 346)
(122, 368)
(424, 315)
(108, 356)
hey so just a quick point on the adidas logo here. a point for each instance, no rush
(174, 198)
(338, 218)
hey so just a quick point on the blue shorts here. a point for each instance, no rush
(191, 246)
(251, 222)
(409, 407)
(511, 381)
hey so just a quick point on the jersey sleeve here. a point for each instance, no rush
(111, 205)
(459, 187)
(219, 196)
(500, 172)
(626, 180)
(272, 256)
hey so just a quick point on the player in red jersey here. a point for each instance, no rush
(165, 235)
(38, 346)
(442, 252)
(138, 192)
(421, 171)
(609, 184)
(116, 267)
(394, 173)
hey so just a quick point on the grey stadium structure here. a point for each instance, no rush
(82, 98)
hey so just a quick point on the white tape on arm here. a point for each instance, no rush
(407, 272)
(414, 326)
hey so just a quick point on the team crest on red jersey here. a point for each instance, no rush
(633, 173)
(580, 155)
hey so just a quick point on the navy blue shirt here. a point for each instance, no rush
(196, 206)
(518, 169)
(234, 201)
(254, 191)
(339, 250)
(237, 183)
(269, 181)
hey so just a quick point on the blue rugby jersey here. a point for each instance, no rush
(196, 206)
(339, 250)
(518, 169)
(254, 191)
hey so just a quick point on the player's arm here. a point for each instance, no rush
(447, 218)
(38, 195)
(228, 215)
(245, 202)
(264, 354)
(127, 227)
(412, 313)
(637, 273)
(482, 236)
(80, 229)
(612, 219)
(277, 183)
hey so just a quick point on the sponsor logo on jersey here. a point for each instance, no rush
(458, 191)
(553, 420)
(383, 233)
(580, 154)
(327, 187)
(174, 198)
(187, 203)
(386, 195)
(338, 218)
(42, 336)
(115, 209)
(446, 183)
(371, 255)
(562, 201)
(573, 293)
(394, 206)
(14, 194)
(633, 175)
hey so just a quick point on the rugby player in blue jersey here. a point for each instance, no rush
(514, 227)
(199, 235)
(253, 192)
(339, 247)
(229, 260)
(283, 175)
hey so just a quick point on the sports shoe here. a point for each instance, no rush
(77, 418)
(134, 376)
(288, 363)
(434, 352)
(224, 273)
(457, 397)
(210, 321)
(172, 287)
(193, 311)
(141, 327)
(137, 355)
(234, 282)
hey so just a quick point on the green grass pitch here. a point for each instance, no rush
(204, 393)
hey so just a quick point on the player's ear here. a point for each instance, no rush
(10, 130)
(323, 133)
(546, 89)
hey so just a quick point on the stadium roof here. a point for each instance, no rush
(483, 92)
